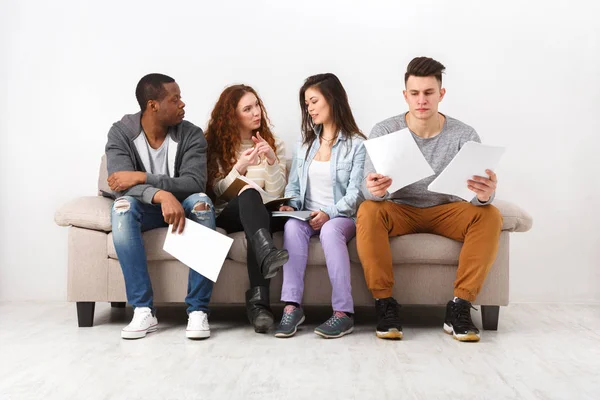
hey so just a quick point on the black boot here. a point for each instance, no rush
(258, 308)
(268, 256)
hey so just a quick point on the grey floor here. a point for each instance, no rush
(539, 352)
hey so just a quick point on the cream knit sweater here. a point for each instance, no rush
(272, 178)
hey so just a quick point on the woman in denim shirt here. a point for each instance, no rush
(325, 178)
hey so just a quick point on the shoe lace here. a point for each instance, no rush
(332, 321)
(287, 315)
(140, 316)
(199, 318)
(390, 311)
(463, 314)
(335, 318)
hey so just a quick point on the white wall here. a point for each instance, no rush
(524, 74)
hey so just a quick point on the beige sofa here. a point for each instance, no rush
(424, 265)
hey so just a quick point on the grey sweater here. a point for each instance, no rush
(189, 174)
(438, 151)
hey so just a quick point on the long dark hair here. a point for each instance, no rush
(331, 88)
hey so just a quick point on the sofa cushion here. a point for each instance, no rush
(103, 176)
(515, 219)
(422, 248)
(91, 212)
(419, 248)
(238, 248)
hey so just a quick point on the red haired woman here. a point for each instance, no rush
(240, 142)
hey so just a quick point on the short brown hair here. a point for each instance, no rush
(424, 66)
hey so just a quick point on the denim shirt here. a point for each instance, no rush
(346, 165)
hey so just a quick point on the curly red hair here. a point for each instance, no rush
(223, 134)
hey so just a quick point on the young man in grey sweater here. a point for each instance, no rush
(414, 209)
(157, 171)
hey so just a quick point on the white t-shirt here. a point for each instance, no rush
(319, 189)
(158, 157)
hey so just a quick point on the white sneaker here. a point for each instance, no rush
(143, 322)
(197, 327)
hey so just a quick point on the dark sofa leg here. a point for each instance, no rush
(85, 313)
(489, 317)
(117, 304)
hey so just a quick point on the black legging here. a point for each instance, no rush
(247, 213)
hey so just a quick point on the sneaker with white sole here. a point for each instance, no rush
(197, 327)
(338, 325)
(143, 322)
(388, 319)
(458, 322)
(292, 317)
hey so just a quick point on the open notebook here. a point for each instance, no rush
(241, 181)
(301, 215)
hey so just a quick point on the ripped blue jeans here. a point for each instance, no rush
(131, 217)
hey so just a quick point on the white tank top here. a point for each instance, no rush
(319, 189)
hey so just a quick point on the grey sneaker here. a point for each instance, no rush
(337, 326)
(292, 317)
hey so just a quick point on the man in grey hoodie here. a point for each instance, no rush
(157, 171)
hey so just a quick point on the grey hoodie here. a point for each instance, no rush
(186, 158)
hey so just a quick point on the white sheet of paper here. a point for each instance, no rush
(472, 160)
(397, 155)
(200, 248)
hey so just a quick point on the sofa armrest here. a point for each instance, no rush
(91, 212)
(515, 218)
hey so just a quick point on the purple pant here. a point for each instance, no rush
(334, 236)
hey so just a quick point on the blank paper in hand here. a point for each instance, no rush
(200, 248)
(472, 160)
(397, 155)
